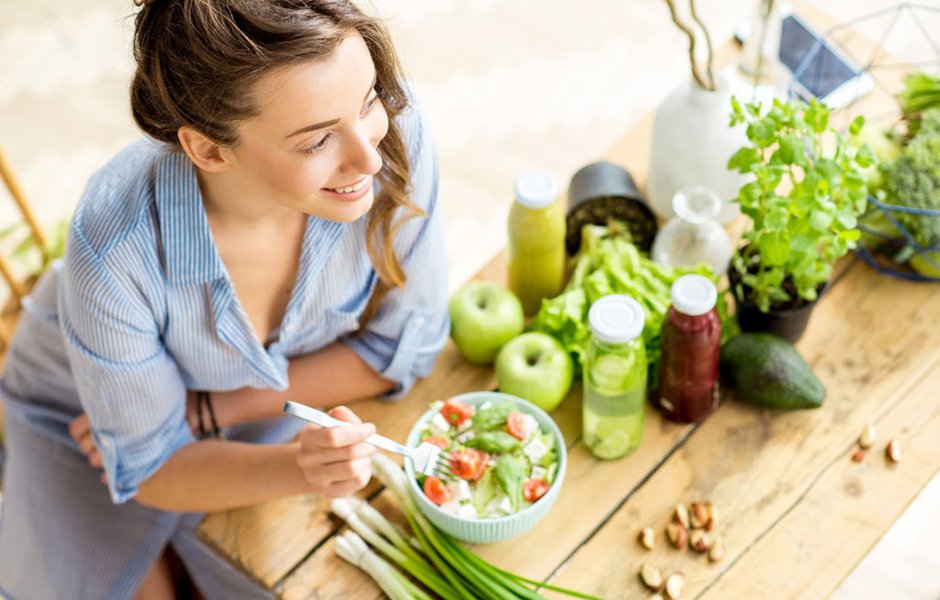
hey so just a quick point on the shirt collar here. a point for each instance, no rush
(190, 254)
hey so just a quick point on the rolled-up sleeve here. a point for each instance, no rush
(128, 384)
(408, 332)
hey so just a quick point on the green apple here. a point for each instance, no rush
(536, 367)
(483, 317)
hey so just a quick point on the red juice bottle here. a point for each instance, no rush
(691, 344)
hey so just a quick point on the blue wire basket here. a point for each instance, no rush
(887, 250)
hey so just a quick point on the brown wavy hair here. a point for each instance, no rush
(197, 61)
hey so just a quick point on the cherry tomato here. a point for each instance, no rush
(468, 464)
(437, 441)
(436, 491)
(515, 425)
(456, 412)
(481, 470)
(534, 489)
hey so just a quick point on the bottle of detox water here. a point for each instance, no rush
(614, 377)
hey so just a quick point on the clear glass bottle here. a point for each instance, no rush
(691, 345)
(614, 377)
(694, 235)
(536, 240)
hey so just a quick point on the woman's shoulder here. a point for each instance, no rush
(118, 196)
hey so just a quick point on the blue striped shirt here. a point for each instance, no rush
(142, 309)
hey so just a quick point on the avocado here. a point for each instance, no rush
(766, 370)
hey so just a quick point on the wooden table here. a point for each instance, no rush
(797, 514)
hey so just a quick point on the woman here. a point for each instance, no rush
(277, 236)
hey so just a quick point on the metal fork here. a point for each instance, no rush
(427, 459)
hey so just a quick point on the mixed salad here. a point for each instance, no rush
(500, 460)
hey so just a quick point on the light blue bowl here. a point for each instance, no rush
(488, 531)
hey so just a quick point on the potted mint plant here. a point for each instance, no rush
(806, 194)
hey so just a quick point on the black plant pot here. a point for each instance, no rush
(601, 191)
(788, 324)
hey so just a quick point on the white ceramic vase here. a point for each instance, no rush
(691, 147)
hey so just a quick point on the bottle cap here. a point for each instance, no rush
(616, 319)
(536, 189)
(693, 295)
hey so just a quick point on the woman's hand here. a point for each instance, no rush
(80, 430)
(335, 461)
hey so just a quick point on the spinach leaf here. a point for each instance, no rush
(511, 474)
(494, 442)
(494, 415)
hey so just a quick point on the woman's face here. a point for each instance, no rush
(313, 145)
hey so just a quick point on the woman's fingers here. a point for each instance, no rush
(340, 489)
(345, 414)
(312, 436)
(79, 427)
(94, 459)
(87, 445)
(80, 430)
(343, 471)
(336, 461)
(346, 453)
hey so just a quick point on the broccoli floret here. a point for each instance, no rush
(913, 180)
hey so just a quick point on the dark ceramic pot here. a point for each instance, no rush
(601, 191)
(788, 324)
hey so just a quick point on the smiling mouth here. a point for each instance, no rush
(351, 189)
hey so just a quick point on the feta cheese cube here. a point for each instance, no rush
(505, 505)
(486, 405)
(462, 438)
(535, 450)
(467, 511)
(539, 472)
(439, 426)
(465, 425)
(459, 490)
(529, 426)
(452, 507)
(498, 506)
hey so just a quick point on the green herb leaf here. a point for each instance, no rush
(511, 472)
(774, 247)
(820, 221)
(763, 133)
(742, 160)
(855, 127)
(494, 415)
(792, 149)
(493, 442)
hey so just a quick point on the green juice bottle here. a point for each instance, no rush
(536, 240)
(614, 377)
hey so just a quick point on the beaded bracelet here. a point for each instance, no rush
(203, 398)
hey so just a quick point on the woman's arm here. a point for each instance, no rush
(217, 475)
(331, 376)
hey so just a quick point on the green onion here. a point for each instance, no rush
(345, 509)
(351, 548)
